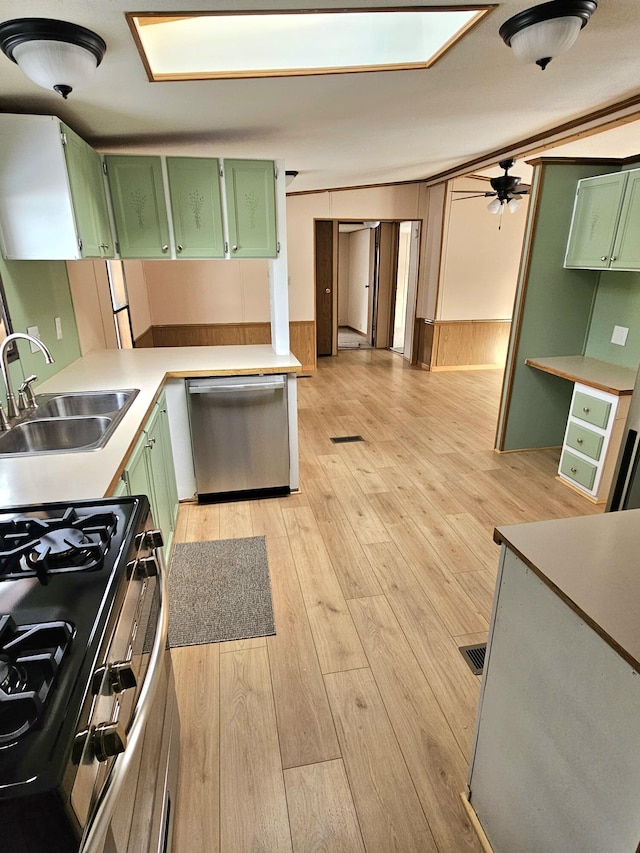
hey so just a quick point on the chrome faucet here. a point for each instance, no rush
(12, 409)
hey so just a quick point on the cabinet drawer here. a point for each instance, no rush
(591, 409)
(585, 440)
(578, 470)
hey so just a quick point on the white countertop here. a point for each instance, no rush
(74, 476)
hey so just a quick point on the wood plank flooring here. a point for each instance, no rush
(350, 729)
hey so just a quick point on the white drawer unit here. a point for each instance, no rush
(592, 439)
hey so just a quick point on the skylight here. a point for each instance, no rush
(277, 44)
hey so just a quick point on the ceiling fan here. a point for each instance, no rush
(506, 190)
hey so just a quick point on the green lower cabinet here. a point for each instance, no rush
(139, 207)
(121, 489)
(150, 471)
(251, 208)
(196, 207)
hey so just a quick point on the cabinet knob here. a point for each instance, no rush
(586, 410)
(151, 442)
(580, 440)
(165, 248)
(574, 470)
(234, 248)
(614, 258)
(603, 258)
(178, 248)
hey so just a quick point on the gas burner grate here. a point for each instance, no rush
(31, 546)
(30, 657)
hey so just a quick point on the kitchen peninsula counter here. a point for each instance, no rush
(91, 474)
(554, 763)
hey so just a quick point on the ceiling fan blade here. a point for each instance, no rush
(477, 195)
(485, 195)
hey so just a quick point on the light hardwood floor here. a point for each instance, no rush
(350, 729)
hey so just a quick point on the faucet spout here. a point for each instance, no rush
(12, 410)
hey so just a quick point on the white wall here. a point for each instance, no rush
(480, 261)
(138, 294)
(92, 305)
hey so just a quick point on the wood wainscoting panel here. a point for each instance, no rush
(145, 339)
(302, 337)
(462, 344)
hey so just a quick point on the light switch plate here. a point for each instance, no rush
(619, 335)
(58, 322)
(34, 331)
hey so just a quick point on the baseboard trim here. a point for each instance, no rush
(475, 823)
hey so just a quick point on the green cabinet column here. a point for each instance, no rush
(251, 208)
(88, 194)
(595, 219)
(196, 207)
(139, 209)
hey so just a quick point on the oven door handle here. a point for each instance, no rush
(98, 823)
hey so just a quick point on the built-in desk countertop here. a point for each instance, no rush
(588, 371)
(80, 475)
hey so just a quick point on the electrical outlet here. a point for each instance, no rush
(619, 335)
(58, 322)
(34, 331)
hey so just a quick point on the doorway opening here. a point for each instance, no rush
(366, 285)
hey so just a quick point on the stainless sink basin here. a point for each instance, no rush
(85, 403)
(55, 435)
(64, 423)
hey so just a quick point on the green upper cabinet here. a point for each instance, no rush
(139, 209)
(196, 207)
(251, 208)
(89, 197)
(595, 218)
(626, 249)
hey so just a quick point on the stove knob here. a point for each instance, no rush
(147, 567)
(153, 539)
(108, 739)
(122, 676)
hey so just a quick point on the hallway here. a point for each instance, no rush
(350, 729)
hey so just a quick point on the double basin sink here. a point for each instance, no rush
(67, 422)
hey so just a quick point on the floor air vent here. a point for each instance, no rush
(343, 439)
(474, 656)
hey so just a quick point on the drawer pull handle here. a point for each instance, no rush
(586, 410)
(580, 440)
(574, 470)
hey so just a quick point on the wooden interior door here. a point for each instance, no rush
(324, 286)
(387, 281)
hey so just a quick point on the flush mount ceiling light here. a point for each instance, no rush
(56, 55)
(539, 34)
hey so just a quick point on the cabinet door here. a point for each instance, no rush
(251, 208)
(88, 194)
(626, 251)
(164, 439)
(136, 473)
(595, 219)
(163, 511)
(139, 210)
(196, 207)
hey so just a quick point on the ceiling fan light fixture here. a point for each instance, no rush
(550, 29)
(53, 54)
(513, 204)
(494, 206)
(371, 223)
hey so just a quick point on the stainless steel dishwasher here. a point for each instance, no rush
(240, 436)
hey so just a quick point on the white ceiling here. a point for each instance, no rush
(476, 103)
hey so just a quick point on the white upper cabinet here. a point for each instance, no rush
(52, 196)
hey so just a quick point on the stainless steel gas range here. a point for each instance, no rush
(89, 728)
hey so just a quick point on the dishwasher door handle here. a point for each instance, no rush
(270, 385)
